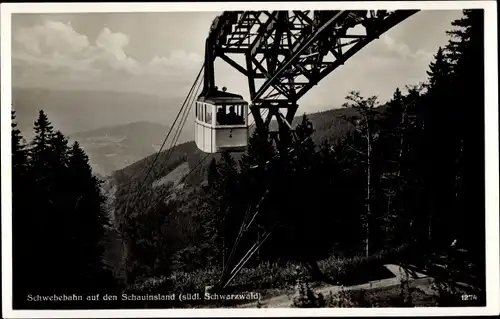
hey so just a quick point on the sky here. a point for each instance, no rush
(161, 54)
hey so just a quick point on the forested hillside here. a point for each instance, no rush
(372, 186)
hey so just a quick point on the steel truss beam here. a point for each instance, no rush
(294, 50)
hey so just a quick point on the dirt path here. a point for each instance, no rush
(416, 280)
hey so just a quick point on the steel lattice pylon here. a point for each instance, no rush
(290, 51)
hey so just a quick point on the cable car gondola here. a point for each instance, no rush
(221, 118)
(221, 122)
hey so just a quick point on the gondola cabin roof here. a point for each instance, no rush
(220, 97)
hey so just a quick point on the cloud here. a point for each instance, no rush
(56, 50)
(178, 59)
(403, 50)
(390, 49)
(377, 69)
(49, 37)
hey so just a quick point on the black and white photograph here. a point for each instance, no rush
(159, 158)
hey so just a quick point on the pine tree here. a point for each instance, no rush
(304, 144)
(20, 162)
(391, 142)
(437, 137)
(259, 151)
(41, 155)
(60, 212)
(393, 116)
(408, 159)
(42, 217)
(466, 41)
(59, 161)
(60, 149)
(213, 174)
(366, 128)
(306, 219)
(439, 69)
(19, 151)
(89, 221)
(299, 179)
(466, 48)
(21, 226)
(255, 176)
(396, 161)
(228, 206)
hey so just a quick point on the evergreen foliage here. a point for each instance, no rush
(58, 217)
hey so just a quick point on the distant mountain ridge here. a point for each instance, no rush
(78, 111)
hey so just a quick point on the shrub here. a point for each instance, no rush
(351, 271)
(447, 295)
(149, 285)
(405, 292)
(304, 296)
(348, 299)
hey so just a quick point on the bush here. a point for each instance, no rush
(348, 299)
(304, 296)
(354, 270)
(267, 275)
(447, 295)
(148, 286)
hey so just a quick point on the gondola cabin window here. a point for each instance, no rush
(199, 111)
(231, 114)
(208, 113)
(204, 113)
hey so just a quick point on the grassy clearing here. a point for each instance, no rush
(356, 270)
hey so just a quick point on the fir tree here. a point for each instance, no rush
(21, 219)
(439, 69)
(304, 144)
(42, 215)
(89, 221)
(366, 128)
(59, 161)
(60, 149)
(255, 166)
(41, 155)
(228, 206)
(259, 151)
(437, 143)
(466, 48)
(213, 174)
(60, 213)
(19, 151)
